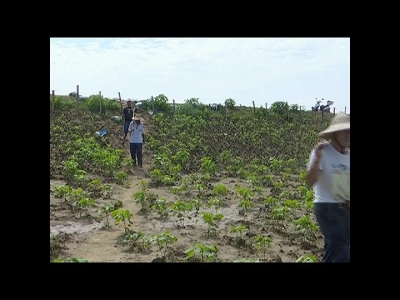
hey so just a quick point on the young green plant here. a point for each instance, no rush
(107, 210)
(181, 210)
(202, 253)
(239, 230)
(161, 207)
(212, 221)
(124, 216)
(262, 243)
(163, 241)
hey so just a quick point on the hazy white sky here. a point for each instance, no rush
(263, 70)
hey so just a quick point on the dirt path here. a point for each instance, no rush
(102, 244)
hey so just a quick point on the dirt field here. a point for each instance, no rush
(265, 239)
(88, 238)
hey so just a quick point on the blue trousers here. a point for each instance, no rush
(136, 152)
(334, 223)
(126, 126)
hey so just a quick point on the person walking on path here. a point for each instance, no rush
(328, 172)
(137, 139)
(127, 115)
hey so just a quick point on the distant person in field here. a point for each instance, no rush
(137, 139)
(127, 115)
(328, 172)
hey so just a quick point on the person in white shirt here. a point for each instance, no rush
(137, 139)
(328, 172)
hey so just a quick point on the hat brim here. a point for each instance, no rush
(330, 131)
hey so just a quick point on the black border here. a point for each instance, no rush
(286, 273)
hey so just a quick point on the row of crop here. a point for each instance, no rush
(242, 137)
(183, 210)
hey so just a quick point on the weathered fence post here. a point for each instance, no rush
(120, 102)
(100, 100)
(77, 97)
(287, 111)
(53, 100)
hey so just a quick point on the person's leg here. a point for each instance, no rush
(132, 148)
(126, 126)
(139, 154)
(334, 223)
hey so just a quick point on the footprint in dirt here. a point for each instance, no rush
(135, 178)
(141, 172)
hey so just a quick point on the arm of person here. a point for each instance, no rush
(313, 170)
(313, 167)
(130, 128)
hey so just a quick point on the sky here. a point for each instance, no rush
(263, 70)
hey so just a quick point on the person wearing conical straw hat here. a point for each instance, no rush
(137, 139)
(328, 172)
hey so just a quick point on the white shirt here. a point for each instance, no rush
(334, 182)
(136, 131)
